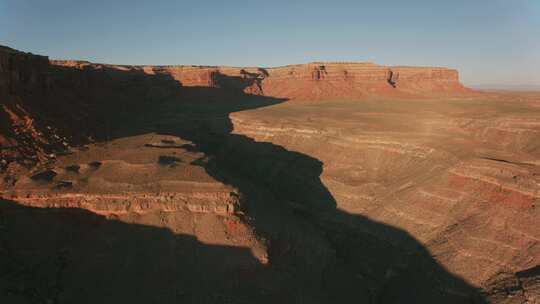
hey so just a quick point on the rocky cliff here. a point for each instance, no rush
(466, 186)
(22, 75)
(24, 71)
(314, 81)
(321, 80)
(383, 197)
(49, 105)
(21, 71)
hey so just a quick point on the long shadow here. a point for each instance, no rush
(318, 254)
(75, 256)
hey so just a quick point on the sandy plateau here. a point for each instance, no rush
(314, 183)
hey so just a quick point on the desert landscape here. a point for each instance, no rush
(327, 182)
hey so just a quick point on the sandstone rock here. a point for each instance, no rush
(378, 194)
(319, 80)
(74, 95)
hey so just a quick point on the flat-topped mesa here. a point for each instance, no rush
(322, 80)
(427, 79)
(353, 80)
(54, 103)
(313, 81)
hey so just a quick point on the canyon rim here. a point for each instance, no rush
(313, 183)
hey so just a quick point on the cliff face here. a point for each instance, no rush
(21, 71)
(49, 105)
(319, 80)
(467, 186)
(353, 80)
(21, 75)
(376, 201)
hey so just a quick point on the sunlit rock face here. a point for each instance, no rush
(466, 186)
(315, 183)
(321, 80)
(50, 104)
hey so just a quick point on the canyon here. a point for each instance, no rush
(327, 182)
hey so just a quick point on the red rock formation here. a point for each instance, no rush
(48, 105)
(307, 81)
(434, 169)
(319, 80)
(21, 74)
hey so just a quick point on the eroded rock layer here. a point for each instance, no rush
(467, 187)
(397, 185)
(317, 80)
(49, 105)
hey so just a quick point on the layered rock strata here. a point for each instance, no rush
(467, 188)
(383, 194)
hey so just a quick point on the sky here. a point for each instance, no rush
(488, 41)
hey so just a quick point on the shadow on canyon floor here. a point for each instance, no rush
(317, 253)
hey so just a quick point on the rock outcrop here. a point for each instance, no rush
(321, 80)
(467, 188)
(393, 194)
(25, 71)
(49, 105)
(21, 75)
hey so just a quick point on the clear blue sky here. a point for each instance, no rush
(489, 41)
